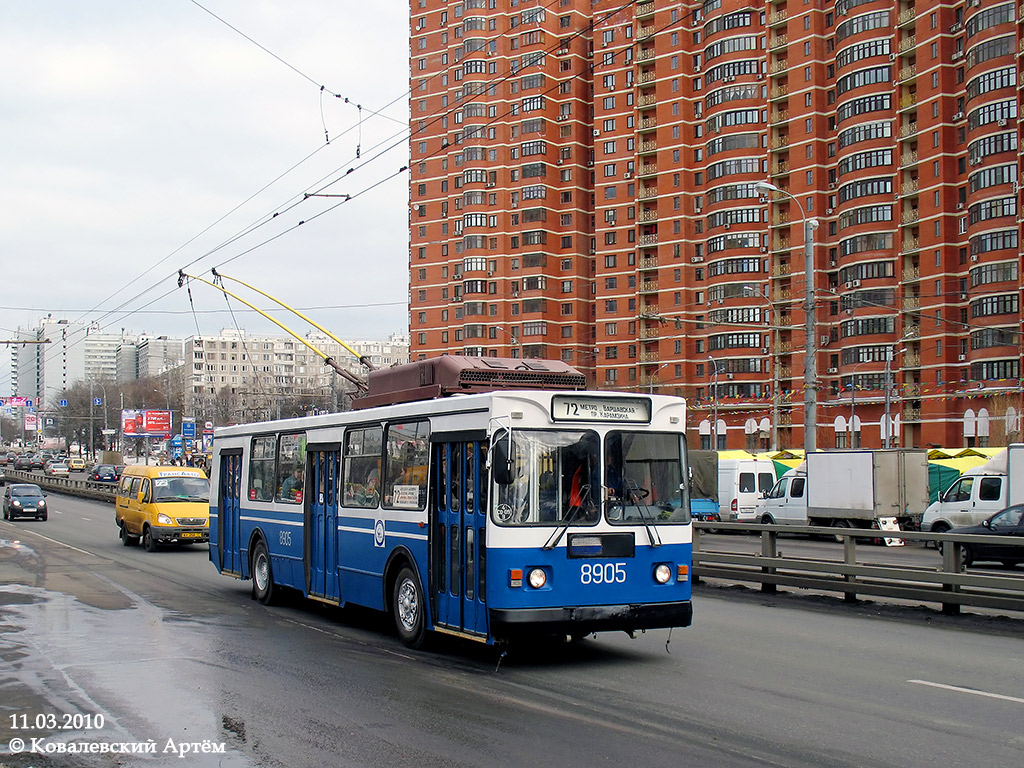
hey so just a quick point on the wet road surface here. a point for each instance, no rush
(169, 652)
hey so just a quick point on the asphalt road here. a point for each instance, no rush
(164, 649)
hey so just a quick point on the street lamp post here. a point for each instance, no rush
(714, 403)
(655, 375)
(811, 352)
(773, 362)
(890, 353)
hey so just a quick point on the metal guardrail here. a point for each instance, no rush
(949, 585)
(75, 487)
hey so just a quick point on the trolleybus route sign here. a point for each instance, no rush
(636, 410)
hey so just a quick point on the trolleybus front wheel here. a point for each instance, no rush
(408, 608)
(262, 576)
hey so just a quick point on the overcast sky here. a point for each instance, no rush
(137, 136)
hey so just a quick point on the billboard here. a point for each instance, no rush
(146, 423)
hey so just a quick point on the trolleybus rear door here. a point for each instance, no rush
(321, 522)
(229, 490)
(458, 542)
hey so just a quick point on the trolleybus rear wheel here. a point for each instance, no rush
(262, 575)
(408, 607)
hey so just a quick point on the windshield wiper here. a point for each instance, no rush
(564, 525)
(634, 495)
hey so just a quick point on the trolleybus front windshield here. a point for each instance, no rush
(557, 479)
(644, 478)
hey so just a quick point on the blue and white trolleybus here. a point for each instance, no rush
(526, 506)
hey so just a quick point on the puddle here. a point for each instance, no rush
(148, 674)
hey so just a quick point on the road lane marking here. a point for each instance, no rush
(975, 691)
(87, 519)
(54, 541)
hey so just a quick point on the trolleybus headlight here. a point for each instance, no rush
(538, 578)
(662, 573)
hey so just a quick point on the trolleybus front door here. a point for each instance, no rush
(321, 523)
(229, 489)
(458, 544)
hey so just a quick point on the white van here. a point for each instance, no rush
(979, 492)
(741, 485)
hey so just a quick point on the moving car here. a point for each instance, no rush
(1008, 522)
(24, 500)
(23, 462)
(56, 469)
(76, 464)
(37, 461)
(163, 505)
(103, 473)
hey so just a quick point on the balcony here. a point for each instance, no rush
(911, 217)
(779, 66)
(911, 414)
(781, 270)
(910, 129)
(908, 72)
(909, 187)
(908, 158)
(645, 54)
(911, 302)
(646, 77)
(780, 142)
(779, 116)
(906, 17)
(908, 100)
(780, 218)
(647, 240)
(778, 41)
(646, 100)
(644, 9)
(910, 244)
(907, 44)
(779, 92)
(648, 146)
(648, 170)
(780, 167)
(649, 262)
(778, 17)
(648, 216)
(648, 123)
(650, 333)
(781, 244)
(911, 360)
(911, 273)
(649, 286)
(650, 357)
(646, 193)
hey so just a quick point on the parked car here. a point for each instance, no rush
(24, 500)
(1007, 522)
(76, 464)
(103, 473)
(23, 462)
(56, 469)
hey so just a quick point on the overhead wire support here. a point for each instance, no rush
(359, 383)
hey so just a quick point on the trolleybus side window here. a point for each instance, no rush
(261, 468)
(362, 466)
(291, 466)
(408, 451)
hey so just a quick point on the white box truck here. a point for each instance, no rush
(851, 489)
(979, 492)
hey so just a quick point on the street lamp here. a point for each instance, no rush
(889, 355)
(811, 353)
(714, 403)
(752, 290)
(655, 375)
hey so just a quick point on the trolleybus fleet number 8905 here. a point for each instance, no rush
(491, 516)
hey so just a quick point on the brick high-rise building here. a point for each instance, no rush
(584, 186)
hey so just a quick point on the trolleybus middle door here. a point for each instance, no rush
(322, 523)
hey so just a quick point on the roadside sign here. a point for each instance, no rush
(95, 401)
(188, 429)
(63, 403)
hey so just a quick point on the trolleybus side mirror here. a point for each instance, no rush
(501, 458)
